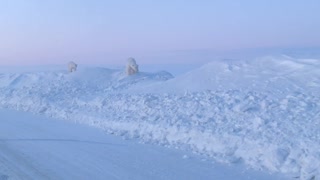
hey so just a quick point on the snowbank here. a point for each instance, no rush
(276, 75)
(264, 113)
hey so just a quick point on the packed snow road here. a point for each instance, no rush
(33, 147)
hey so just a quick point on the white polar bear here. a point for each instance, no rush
(132, 67)
(72, 66)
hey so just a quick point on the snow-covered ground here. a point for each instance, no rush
(262, 113)
(33, 147)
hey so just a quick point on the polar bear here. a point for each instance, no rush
(132, 67)
(72, 66)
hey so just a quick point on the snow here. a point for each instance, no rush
(278, 75)
(34, 147)
(262, 113)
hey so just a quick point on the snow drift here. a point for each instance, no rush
(264, 113)
(276, 75)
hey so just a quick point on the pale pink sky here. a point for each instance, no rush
(96, 31)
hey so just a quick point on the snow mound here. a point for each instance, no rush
(264, 113)
(85, 78)
(276, 75)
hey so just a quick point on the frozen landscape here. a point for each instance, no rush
(260, 114)
(34, 147)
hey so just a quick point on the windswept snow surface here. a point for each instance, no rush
(34, 147)
(264, 113)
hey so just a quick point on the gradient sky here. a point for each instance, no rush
(109, 31)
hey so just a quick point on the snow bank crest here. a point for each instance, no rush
(275, 75)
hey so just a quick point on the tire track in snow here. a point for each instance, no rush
(17, 165)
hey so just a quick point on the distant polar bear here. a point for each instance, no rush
(72, 66)
(132, 67)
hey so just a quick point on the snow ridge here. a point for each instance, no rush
(264, 129)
